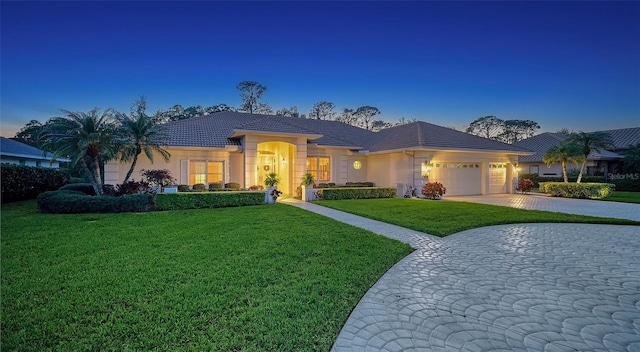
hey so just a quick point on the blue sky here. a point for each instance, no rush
(562, 64)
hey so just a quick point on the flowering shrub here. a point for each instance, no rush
(525, 185)
(275, 194)
(161, 178)
(433, 190)
(256, 188)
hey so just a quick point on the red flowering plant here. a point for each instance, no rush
(433, 190)
(525, 185)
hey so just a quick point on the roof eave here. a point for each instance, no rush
(400, 150)
(240, 133)
(36, 157)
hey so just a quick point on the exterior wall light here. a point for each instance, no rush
(357, 165)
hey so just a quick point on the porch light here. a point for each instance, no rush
(284, 162)
(357, 165)
(425, 170)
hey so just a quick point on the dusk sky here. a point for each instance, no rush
(572, 65)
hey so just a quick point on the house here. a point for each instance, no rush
(244, 148)
(14, 152)
(599, 162)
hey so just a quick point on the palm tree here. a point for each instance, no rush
(140, 133)
(588, 143)
(563, 154)
(86, 138)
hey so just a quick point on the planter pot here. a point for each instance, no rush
(309, 193)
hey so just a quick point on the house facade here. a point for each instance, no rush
(600, 162)
(14, 152)
(243, 148)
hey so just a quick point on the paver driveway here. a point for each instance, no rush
(529, 287)
(556, 204)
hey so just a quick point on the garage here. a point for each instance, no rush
(458, 178)
(497, 178)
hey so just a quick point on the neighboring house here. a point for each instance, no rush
(244, 148)
(600, 162)
(14, 152)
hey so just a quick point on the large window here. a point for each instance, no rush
(202, 171)
(319, 167)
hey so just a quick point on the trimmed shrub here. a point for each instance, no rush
(183, 188)
(26, 182)
(133, 187)
(215, 186)
(356, 193)
(73, 202)
(629, 185)
(256, 188)
(433, 190)
(359, 184)
(232, 185)
(198, 187)
(533, 177)
(180, 201)
(525, 185)
(577, 190)
(85, 188)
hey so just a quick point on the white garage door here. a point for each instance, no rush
(458, 178)
(497, 178)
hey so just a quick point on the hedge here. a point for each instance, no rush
(193, 200)
(85, 188)
(26, 182)
(73, 202)
(356, 193)
(629, 185)
(577, 190)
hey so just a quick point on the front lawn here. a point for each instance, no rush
(625, 197)
(442, 218)
(261, 278)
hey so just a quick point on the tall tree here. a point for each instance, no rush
(562, 153)
(85, 138)
(486, 126)
(517, 130)
(251, 92)
(348, 116)
(404, 121)
(139, 106)
(140, 133)
(588, 143)
(365, 115)
(30, 133)
(323, 110)
(379, 125)
(218, 108)
(290, 112)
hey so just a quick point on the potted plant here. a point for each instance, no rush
(308, 184)
(271, 182)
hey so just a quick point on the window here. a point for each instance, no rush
(202, 171)
(319, 167)
(533, 169)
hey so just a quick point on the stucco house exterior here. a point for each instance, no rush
(244, 148)
(14, 152)
(599, 162)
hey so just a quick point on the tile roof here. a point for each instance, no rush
(217, 130)
(423, 134)
(623, 138)
(542, 142)
(10, 147)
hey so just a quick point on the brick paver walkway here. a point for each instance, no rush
(529, 287)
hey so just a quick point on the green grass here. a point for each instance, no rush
(442, 218)
(253, 278)
(625, 197)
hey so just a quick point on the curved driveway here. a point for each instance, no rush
(535, 287)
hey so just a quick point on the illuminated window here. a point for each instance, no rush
(357, 165)
(205, 172)
(319, 167)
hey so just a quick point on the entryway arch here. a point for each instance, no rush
(278, 157)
